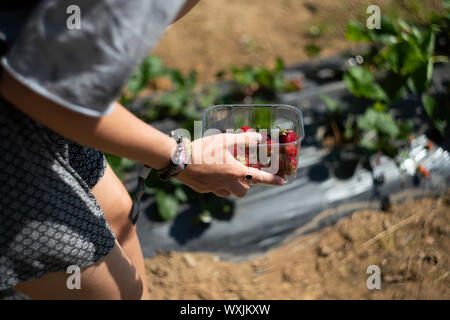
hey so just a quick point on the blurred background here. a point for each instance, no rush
(374, 168)
(216, 35)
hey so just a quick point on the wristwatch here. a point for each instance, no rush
(179, 160)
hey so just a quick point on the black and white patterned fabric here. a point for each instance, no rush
(49, 218)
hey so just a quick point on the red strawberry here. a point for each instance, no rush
(297, 83)
(291, 151)
(247, 128)
(424, 171)
(291, 166)
(287, 136)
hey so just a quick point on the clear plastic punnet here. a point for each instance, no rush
(281, 127)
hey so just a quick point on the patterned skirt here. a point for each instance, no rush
(49, 218)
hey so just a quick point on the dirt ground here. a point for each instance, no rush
(410, 244)
(219, 33)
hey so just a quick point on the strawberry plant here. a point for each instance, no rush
(259, 82)
(401, 61)
(167, 92)
(381, 132)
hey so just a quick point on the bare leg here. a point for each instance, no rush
(113, 277)
(116, 205)
(121, 274)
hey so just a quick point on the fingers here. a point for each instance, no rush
(238, 188)
(242, 139)
(259, 176)
(222, 193)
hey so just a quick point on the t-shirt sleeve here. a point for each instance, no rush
(85, 69)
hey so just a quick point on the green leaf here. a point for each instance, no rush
(136, 82)
(279, 64)
(369, 141)
(387, 125)
(356, 32)
(331, 104)
(441, 126)
(312, 50)
(264, 77)
(387, 34)
(167, 205)
(404, 25)
(394, 85)
(388, 26)
(378, 121)
(378, 106)
(429, 104)
(180, 194)
(426, 43)
(437, 116)
(421, 78)
(361, 83)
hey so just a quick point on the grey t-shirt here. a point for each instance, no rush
(84, 69)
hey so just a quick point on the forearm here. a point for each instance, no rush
(119, 133)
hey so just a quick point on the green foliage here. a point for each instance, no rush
(151, 68)
(119, 165)
(312, 49)
(167, 204)
(381, 133)
(173, 94)
(405, 52)
(260, 82)
(438, 111)
(403, 62)
(361, 83)
(271, 79)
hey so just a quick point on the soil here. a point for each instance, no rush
(410, 243)
(217, 34)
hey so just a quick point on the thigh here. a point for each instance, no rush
(115, 202)
(113, 277)
(116, 205)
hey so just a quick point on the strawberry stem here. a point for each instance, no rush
(282, 131)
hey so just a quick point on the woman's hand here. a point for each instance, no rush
(214, 169)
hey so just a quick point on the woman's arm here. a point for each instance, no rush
(123, 134)
(119, 133)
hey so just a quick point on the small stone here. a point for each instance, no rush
(429, 240)
(189, 260)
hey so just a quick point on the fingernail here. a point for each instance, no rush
(280, 181)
